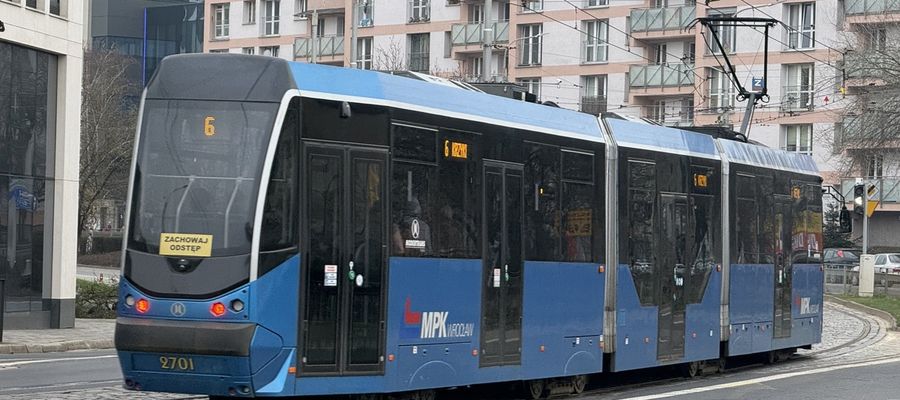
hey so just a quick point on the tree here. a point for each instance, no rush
(834, 236)
(871, 81)
(108, 121)
(390, 57)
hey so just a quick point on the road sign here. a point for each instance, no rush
(871, 204)
(757, 84)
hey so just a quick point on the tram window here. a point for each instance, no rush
(412, 205)
(578, 166)
(747, 232)
(280, 221)
(766, 211)
(641, 216)
(415, 144)
(457, 212)
(703, 258)
(578, 217)
(542, 209)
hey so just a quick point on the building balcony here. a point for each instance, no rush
(888, 189)
(329, 45)
(870, 7)
(657, 21)
(473, 34)
(797, 99)
(594, 105)
(661, 75)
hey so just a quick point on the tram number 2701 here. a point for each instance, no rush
(176, 363)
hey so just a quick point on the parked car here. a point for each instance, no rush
(887, 263)
(841, 257)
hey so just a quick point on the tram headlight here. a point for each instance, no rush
(129, 300)
(237, 305)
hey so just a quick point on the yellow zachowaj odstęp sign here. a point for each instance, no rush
(185, 244)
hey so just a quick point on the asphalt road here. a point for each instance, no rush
(858, 359)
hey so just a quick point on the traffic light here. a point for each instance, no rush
(859, 198)
(846, 224)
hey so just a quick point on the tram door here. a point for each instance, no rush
(345, 241)
(671, 269)
(501, 309)
(783, 268)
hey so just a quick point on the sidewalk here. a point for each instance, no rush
(87, 334)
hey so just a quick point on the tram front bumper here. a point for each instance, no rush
(199, 357)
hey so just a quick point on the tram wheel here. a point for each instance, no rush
(578, 383)
(536, 389)
(426, 395)
(771, 357)
(692, 369)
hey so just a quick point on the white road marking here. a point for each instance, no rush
(49, 360)
(754, 381)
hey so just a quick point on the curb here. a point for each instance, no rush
(866, 309)
(57, 347)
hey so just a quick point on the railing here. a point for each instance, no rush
(463, 34)
(329, 45)
(797, 98)
(859, 7)
(669, 116)
(662, 75)
(662, 19)
(593, 104)
(867, 64)
(888, 189)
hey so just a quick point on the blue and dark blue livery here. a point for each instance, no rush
(299, 230)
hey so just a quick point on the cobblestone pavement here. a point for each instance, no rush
(848, 336)
(87, 334)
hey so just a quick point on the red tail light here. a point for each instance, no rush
(217, 309)
(142, 306)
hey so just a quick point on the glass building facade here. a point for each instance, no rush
(27, 126)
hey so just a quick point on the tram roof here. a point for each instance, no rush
(663, 139)
(760, 156)
(370, 87)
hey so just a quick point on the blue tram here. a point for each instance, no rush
(298, 229)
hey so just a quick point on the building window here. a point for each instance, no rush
(271, 17)
(690, 52)
(532, 85)
(532, 5)
(55, 7)
(687, 111)
(366, 13)
(220, 20)
(875, 166)
(798, 138)
(719, 90)
(320, 27)
(476, 13)
(725, 33)
(419, 10)
(530, 36)
(659, 54)
(877, 38)
(249, 50)
(657, 112)
(798, 89)
(419, 44)
(595, 44)
(801, 29)
(218, 51)
(249, 12)
(271, 51)
(596, 3)
(300, 8)
(364, 50)
(593, 94)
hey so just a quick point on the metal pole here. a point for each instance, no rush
(865, 248)
(354, 25)
(748, 114)
(315, 37)
(488, 39)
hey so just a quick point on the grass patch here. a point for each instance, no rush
(879, 301)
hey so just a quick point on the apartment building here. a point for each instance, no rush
(40, 116)
(864, 139)
(643, 58)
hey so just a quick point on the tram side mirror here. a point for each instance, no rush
(345, 110)
(846, 224)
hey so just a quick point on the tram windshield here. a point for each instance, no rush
(197, 173)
